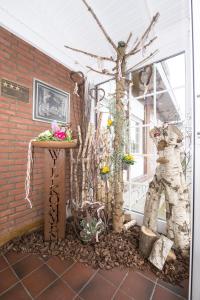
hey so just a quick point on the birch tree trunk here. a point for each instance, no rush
(152, 204)
(169, 178)
(118, 139)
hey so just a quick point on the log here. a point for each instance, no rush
(160, 251)
(147, 239)
(171, 256)
(129, 224)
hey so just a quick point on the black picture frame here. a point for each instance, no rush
(50, 103)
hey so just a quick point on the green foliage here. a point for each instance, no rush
(91, 227)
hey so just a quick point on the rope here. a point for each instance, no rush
(28, 173)
(75, 92)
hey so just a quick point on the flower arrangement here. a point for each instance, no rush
(58, 132)
(104, 172)
(91, 228)
(128, 159)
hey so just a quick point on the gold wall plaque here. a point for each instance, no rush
(13, 90)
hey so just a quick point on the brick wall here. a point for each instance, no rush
(20, 62)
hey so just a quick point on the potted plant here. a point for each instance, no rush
(104, 172)
(127, 160)
(53, 138)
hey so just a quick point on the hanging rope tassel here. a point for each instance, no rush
(146, 87)
(75, 92)
(28, 173)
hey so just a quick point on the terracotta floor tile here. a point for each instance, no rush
(39, 280)
(13, 256)
(163, 294)
(180, 290)
(121, 296)
(27, 265)
(150, 275)
(99, 289)
(7, 279)
(57, 291)
(137, 286)
(78, 275)
(17, 292)
(58, 265)
(3, 263)
(115, 275)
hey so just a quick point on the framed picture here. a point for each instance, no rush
(50, 103)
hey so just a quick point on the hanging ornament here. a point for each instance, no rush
(75, 92)
(100, 64)
(145, 77)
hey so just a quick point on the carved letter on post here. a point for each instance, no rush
(55, 206)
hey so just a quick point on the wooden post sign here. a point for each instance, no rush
(54, 200)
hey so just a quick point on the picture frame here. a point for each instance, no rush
(50, 103)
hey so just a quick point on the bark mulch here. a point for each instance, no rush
(113, 250)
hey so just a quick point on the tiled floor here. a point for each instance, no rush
(27, 276)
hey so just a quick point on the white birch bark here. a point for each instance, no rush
(169, 178)
(160, 251)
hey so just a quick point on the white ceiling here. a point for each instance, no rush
(49, 25)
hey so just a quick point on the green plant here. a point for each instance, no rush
(91, 228)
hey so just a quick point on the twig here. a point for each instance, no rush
(145, 34)
(142, 61)
(100, 25)
(103, 72)
(144, 47)
(91, 54)
(129, 37)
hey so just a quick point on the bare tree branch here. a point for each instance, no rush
(103, 72)
(143, 61)
(129, 37)
(144, 47)
(100, 25)
(90, 54)
(145, 34)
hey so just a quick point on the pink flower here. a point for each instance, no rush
(54, 126)
(60, 135)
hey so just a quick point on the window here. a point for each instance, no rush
(161, 100)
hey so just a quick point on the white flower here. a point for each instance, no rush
(46, 133)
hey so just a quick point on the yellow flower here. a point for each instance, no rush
(128, 158)
(105, 170)
(109, 122)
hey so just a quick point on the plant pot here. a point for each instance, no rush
(125, 166)
(104, 177)
(55, 144)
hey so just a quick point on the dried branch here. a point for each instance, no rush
(103, 72)
(91, 54)
(129, 38)
(142, 61)
(144, 47)
(145, 34)
(100, 25)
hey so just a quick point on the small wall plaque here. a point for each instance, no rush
(13, 90)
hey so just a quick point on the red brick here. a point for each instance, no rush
(21, 63)
(7, 212)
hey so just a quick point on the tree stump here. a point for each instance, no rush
(147, 239)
